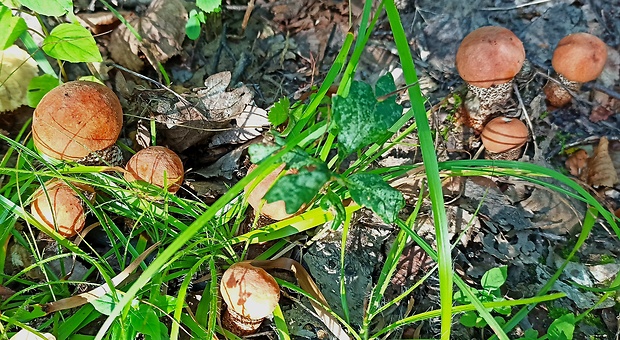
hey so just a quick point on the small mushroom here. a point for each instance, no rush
(578, 58)
(79, 121)
(488, 59)
(274, 210)
(250, 294)
(157, 165)
(60, 208)
(503, 138)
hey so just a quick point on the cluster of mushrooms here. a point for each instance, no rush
(81, 121)
(490, 57)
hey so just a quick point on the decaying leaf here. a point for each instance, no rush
(577, 162)
(5, 292)
(193, 118)
(601, 171)
(162, 29)
(100, 22)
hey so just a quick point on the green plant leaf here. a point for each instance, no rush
(470, 319)
(258, 152)
(361, 119)
(530, 334)
(105, 303)
(209, 6)
(71, 42)
(494, 278)
(12, 27)
(192, 27)
(371, 191)
(279, 112)
(562, 328)
(145, 320)
(165, 302)
(39, 86)
(300, 188)
(54, 8)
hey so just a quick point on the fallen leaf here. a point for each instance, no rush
(601, 171)
(577, 162)
(162, 29)
(5, 292)
(600, 113)
(25, 334)
(100, 22)
(249, 125)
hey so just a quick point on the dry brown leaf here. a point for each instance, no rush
(100, 22)
(577, 162)
(600, 113)
(162, 28)
(601, 171)
(5, 293)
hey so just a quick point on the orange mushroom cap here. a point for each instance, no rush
(250, 291)
(502, 134)
(75, 119)
(59, 208)
(580, 57)
(156, 165)
(490, 55)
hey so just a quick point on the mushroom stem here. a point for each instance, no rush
(557, 93)
(481, 103)
(238, 324)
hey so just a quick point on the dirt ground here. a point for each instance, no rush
(288, 46)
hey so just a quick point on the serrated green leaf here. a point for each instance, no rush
(258, 152)
(370, 190)
(73, 43)
(12, 27)
(494, 278)
(39, 86)
(192, 27)
(562, 328)
(360, 119)
(53, 8)
(279, 112)
(300, 188)
(209, 6)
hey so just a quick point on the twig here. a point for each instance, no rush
(246, 16)
(527, 118)
(538, 2)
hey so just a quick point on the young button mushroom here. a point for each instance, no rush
(251, 294)
(503, 138)
(59, 208)
(157, 165)
(274, 210)
(578, 58)
(80, 121)
(488, 59)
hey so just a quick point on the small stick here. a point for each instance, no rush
(527, 118)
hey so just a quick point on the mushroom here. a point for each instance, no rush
(250, 294)
(488, 59)
(578, 58)
(157, 165)
(503, 138)
(80, 121)
(17, 70)
(60, 208)
(274, 210)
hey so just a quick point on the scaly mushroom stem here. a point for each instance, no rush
(481, 103)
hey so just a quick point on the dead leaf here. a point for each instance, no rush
(577, 162)
(5, 292)
(600, 113)
(249, 125)
(601, 171)
(162, 28)
(100, 22)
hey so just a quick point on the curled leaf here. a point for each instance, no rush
(601, 171)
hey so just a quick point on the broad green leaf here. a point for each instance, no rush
(209, 6)
(145, 320)
(54, 8)
(39, 86)
(494, 278)
(470, 319)
(371, 191)
(12, 27)
(300, 188)
(279, 112)
(71, 42)
(166, 303)
(562, 328)
(192, 27)
(105, 303)
(360, 119)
